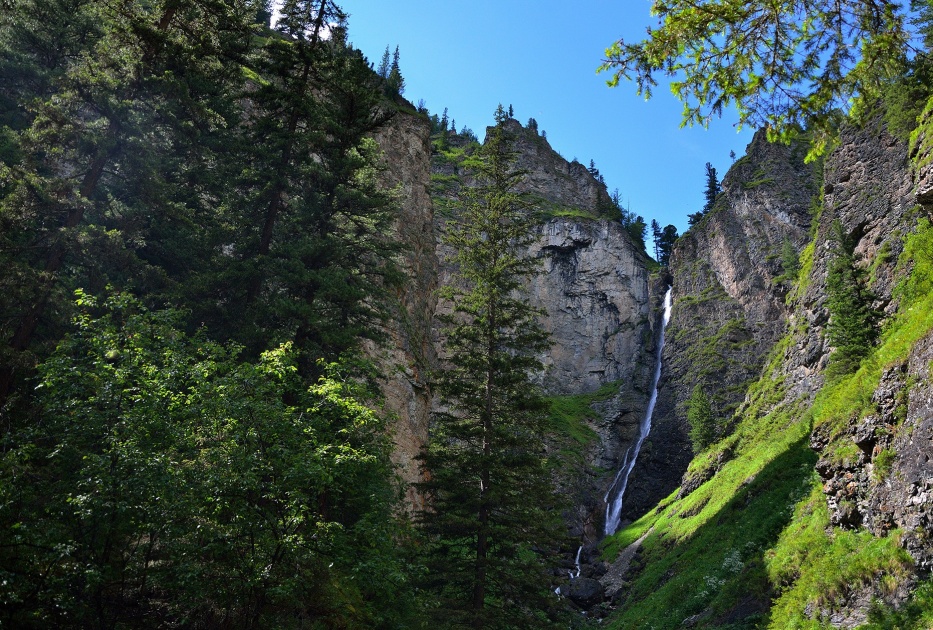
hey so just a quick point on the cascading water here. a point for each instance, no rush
(613, 496)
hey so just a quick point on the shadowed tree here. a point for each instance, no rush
(491, 519)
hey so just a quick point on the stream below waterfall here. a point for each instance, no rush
(616, 491)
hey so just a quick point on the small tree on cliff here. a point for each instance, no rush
(491, 516)
(852, 328)
(656, 237)
(713, 187)
(666, 242)
(703, 428)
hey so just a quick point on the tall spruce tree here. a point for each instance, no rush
(304, 254)
(385, 65)
(703, 429)
(395, 83)
(656, 238)
(491, 516)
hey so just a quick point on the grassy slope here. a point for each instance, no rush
(753, 546)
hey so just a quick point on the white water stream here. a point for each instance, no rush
(613, 496)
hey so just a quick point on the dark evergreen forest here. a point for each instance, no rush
(194, 243)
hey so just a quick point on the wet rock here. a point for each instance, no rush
(584, 592)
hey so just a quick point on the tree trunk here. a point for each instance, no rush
(482, 537)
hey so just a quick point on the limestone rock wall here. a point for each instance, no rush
(410, 354)
(728, 303)
(594, 291)
(593, 288)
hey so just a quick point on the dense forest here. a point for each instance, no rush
(205, 261)
(195, 242)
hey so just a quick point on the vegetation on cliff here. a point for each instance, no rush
(754, 546)
(491, 517)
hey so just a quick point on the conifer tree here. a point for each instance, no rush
(666, 244)
(701, 419)
(487, 526)
(384, 65)
(308, 221)
(394, 82)
(852, 327)
(100, 139)
(656, 237)
(713, 188)
(790, 262)
(693, 218)
(445, 122)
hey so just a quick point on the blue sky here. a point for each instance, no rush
(541, 57)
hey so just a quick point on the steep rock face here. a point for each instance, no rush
(593, 289)
(551, 179)
(728, 302)
(595, 295)
(869, 188)
(726, 270)
(872, 191)
(409, 354)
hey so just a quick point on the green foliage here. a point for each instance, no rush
(666, 242)
(782, 68)
(491, 518)
(636, 227)
(568, 414)
(764, 502)
(703, 423)
(170, 483)
(790, 264)
(712, 189)
(852, 328)
(185, 153)
(814, 569)
(916, 614)
(395, 83)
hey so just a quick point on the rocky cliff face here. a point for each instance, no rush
(551, 180)
(886, 481)
(593, 288)
(594, 292)
(729, 305)
(408, 356)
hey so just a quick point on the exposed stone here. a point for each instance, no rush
(728, 303)
(592, 288)
(409, 355)
(584, 592)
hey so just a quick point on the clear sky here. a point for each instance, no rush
(541, 56)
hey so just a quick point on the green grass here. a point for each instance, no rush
(564, 211)
(814, 570)
(569, 414)
(753, 546)
(917, 614)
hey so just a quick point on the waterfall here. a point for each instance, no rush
(619, 484)
(576, 564)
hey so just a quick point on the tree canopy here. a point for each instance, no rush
(783, 65)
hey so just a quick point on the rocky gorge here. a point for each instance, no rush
(738, 318)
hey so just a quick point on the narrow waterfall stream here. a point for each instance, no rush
(614, 495)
